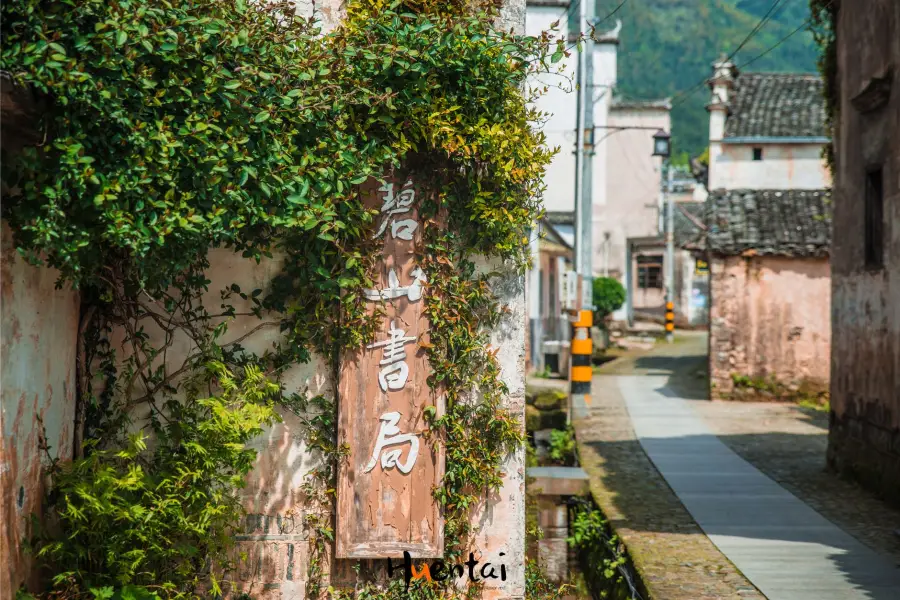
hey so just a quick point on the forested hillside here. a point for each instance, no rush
(667, 47)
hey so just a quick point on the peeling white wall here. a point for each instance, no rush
(37, 397)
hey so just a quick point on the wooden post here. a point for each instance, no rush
(385, 503)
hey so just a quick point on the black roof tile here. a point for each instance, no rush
(769, 222)
(776, 105)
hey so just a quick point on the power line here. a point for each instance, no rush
(765, 19)
(568, 9)
(614, 11)
(781, 41)
(762, 22)
(572, 7)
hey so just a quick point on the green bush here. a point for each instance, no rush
(563, 447)
(608, 297)
(600, 554)
(159, 515)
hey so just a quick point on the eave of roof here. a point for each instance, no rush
(773, 139)
(630, 104)
(793, 223)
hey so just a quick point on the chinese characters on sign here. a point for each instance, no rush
(401, 204)
(389, 435)
(385, 503)
(394, 370)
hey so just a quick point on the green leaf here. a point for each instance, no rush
(103, 593)
(121, 37)
(261, 117)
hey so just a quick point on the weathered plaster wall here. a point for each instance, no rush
(783, 167)
(864, 438)
(501, 519)
(39, 330)
(275, 539)
(633, 190)
(769, 317)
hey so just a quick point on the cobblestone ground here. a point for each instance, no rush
(674, 558)
(784, 441)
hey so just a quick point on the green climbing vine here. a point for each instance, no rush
(824, 29)
(176, 130)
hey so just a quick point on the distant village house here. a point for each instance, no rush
(768, 234)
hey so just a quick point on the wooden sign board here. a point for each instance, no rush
(385, 504)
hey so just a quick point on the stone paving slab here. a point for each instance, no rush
(673, 557)
(784, 547)
(788, 443)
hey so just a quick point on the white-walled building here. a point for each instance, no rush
(765, 131)
(626, 178)
(768, 231)
(559, 104)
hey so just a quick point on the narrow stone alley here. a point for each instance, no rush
(725, 499)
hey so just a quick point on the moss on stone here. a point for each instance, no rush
(549, 400)
(536, 419)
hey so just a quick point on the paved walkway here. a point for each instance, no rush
(675, 560)
(785, 548)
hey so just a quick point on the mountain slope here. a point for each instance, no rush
(667, 47)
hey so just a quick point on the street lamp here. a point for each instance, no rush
(662, 148)
(661, 144)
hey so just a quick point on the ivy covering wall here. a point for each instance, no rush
(824, 29)
(173, 128)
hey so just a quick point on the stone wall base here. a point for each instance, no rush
(868, 453)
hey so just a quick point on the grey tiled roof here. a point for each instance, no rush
(772, 222)
(560, 217)
(776, 105)
(686, 230)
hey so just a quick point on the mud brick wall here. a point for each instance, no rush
(769, 317)
(864, 438)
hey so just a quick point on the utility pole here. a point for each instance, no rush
(536, 333)
(580, 371)
(670, 253)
